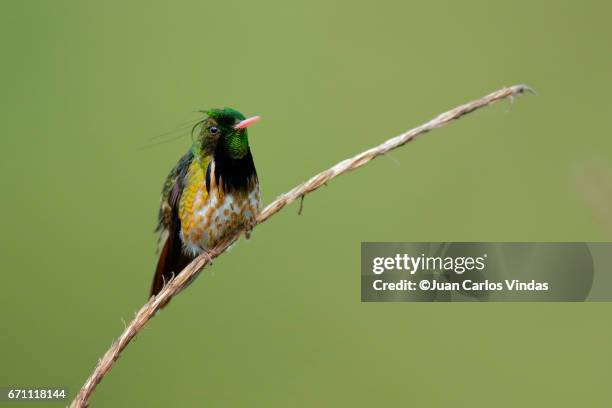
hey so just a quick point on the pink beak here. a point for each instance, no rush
(247, 122)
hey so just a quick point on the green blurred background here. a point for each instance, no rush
(277, 321)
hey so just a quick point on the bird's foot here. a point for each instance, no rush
(248, 228)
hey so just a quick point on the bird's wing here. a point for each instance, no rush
(171, 193)
(172, 259)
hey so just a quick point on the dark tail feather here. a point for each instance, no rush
(172, 260)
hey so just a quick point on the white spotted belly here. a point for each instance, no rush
(214, 215)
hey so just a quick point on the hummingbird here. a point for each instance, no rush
(212, 191)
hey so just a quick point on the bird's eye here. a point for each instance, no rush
(213, 130)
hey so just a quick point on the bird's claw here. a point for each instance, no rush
(248, 228)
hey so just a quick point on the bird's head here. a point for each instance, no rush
(223, 132)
